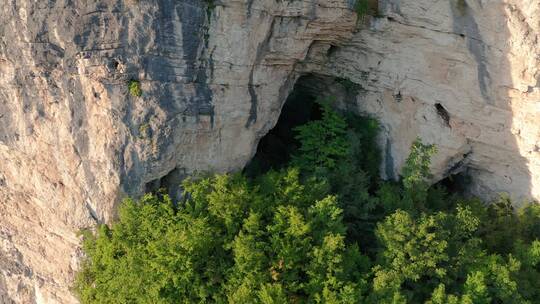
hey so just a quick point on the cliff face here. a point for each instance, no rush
(463, 75)
(73, 141)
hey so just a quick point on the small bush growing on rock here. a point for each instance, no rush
(362, 7)
(366, 7)
(134, 87)
(144, 130)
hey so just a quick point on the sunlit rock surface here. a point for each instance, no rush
(73, 141)
(462, 74)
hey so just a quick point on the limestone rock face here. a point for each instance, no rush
(461, 74)
(73, 141)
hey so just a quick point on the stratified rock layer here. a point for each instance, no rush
(73, 141)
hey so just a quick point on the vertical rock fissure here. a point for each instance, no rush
(195, 22)
(389, 161)
(466, 25)
(261, 51)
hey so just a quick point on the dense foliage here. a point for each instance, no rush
(324, 230)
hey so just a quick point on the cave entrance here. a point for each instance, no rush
(456, 183)
(169, 184)
(275, 148)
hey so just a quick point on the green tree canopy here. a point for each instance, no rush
(324, 230)
(231, 240)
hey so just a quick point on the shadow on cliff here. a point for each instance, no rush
(496, 160)
(275, 148)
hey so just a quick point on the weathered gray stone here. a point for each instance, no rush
(462, 74)
(73, 141)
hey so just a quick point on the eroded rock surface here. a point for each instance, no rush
(73, 141)
(463, 75)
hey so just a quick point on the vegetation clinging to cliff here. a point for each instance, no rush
(134, 87)
(361, 7)
(366, 7)
(324, 231)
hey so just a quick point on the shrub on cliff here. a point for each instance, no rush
(366, 7)
(134, 88)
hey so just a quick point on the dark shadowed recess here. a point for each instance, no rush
(168, 184)
(456, 183)
(275, 148)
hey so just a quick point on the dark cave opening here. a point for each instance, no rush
(275, 148)
(443, 113)
(168, 184)
(455, 183)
